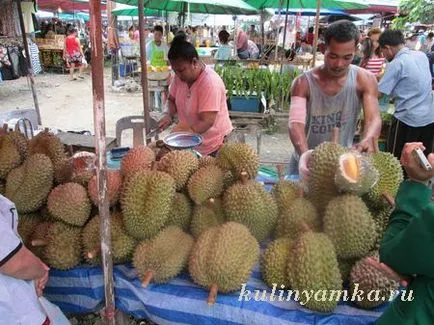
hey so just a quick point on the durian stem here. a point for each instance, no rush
(39, 242)
(5, 127)
(147, 279)
(335, 135)
(389, 198)
(300, 192)
(154, 166)
(244, 177)
(94, 252)
(212, 294)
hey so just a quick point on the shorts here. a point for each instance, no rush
(75, 58)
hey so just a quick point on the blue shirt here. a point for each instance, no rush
(407, 80)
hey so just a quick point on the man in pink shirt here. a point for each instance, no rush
(198, 96)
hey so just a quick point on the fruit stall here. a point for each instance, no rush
(203, 240)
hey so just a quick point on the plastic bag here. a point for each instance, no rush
(53, 312)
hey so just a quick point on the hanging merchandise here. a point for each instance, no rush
(28, 8)
(34, 57)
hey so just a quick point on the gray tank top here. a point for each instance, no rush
(326, 112)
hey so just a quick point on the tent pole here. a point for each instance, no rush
(315, 40)
(29, 62)
(100, 147)
(144, 71)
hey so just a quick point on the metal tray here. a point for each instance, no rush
(183, 140)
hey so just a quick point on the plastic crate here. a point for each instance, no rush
(245, 104)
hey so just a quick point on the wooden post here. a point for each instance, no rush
(29, 62)
(144, 71)
(315, 40)
(100, 147)
(281, 63)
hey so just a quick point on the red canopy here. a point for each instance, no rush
(65, 5)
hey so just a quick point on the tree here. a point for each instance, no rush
(413, 11)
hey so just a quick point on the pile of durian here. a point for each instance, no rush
(173, 212)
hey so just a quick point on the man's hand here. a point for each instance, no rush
(366, 145)
(304, 166)
(42, 282)
(413, 168)
(182, 127)
(165, 122)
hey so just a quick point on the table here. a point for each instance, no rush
(180, 301)
(82, 141)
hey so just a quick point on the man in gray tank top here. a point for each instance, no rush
(333, 95)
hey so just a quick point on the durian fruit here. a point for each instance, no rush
(61, 246)
(206, 161)
(69, 203)
(64, 171)
(26, 226)
(21, 143)
(355, 174)
(139, 158)
(28, 186)
(248, 203)
(122, 244)
(228, 180)
(114, 184)
(301, 211)
(238, 158)
(313, 265)
(223, 258)
(206, 183)
(321, 183)
(164, 256)
(83, 178)
(274, 263)
(9, 156)
(381, 220)
(48, 144)
(391, 176)
(2, 186)
(38, 239)
(285, 192)
(350, 226)
(373, 287)
(207, 215)
(146, 202)
(181, 212)
(345, 266)
(179, 164)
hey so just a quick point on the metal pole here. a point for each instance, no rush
(315, 40)
(29, 62)
(144, 71)
(100, 146)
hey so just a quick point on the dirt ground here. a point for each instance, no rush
(67, 105)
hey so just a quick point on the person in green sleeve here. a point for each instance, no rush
(156, 50)
(407, 247)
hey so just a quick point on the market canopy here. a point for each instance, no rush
(378, 6)
(225, 7)
(312, 12)
(308, 4)
(126, 10)
(65, 5)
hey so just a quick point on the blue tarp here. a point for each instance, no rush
(180, 301)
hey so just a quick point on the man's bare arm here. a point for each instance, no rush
(371, 110)
(24, 265)
(297, 130)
